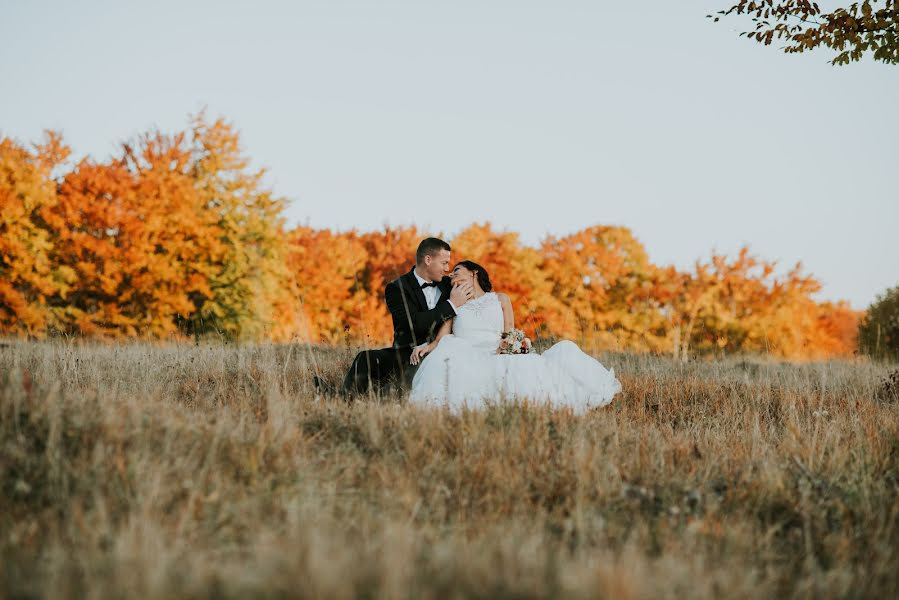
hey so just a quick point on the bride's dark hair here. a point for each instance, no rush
(483, 277)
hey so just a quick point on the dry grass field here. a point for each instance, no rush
(164, 471)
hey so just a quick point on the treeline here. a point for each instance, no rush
(176, 237)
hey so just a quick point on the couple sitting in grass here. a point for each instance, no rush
(455, 345)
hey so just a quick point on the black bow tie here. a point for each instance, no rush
(427, 284)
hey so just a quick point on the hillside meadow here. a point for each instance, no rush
(219, 470)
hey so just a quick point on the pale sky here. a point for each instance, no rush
(541, 117)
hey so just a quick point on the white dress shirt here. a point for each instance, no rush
(432, 293)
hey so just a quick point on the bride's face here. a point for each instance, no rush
(461, 275)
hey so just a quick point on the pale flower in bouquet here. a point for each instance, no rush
(514, 342)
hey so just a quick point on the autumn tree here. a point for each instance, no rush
(326, 267)
(740, 305)
(514, 269)
(135, 232)
(792, 322)
(387, 254)
(721, 304)
(603, 279)
(28, 274)
(861, 28)
(835, 333)
(175, 236)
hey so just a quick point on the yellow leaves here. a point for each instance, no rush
(25, 246)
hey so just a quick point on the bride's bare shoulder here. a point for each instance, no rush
(503, 298)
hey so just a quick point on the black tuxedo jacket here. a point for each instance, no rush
(413, 323)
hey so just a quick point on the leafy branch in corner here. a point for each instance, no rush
(854, 31)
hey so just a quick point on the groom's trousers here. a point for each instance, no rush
(374, 369)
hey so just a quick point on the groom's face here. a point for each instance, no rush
(437, 265)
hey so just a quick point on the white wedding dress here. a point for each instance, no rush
(464, 369)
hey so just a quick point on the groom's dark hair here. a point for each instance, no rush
(429, 247)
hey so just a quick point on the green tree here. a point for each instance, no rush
(854, 31)
(878, 332)
(251, 297)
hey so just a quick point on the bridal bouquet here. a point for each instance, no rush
(514, 342)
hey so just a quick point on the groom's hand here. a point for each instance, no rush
(461, 294)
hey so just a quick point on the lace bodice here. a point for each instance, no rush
(480, 321)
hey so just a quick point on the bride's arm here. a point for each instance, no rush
(444, 330)
(508, 319)
(508, 313)
(420, 351)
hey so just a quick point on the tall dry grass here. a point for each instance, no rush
(219, 471)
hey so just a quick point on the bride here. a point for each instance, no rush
(462, 367)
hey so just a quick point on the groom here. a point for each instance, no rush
(419, 302)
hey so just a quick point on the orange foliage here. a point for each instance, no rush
(136, 235)
(513, 268)
(177, 237)
(387, 255)
(602, 282)
(326, 267)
